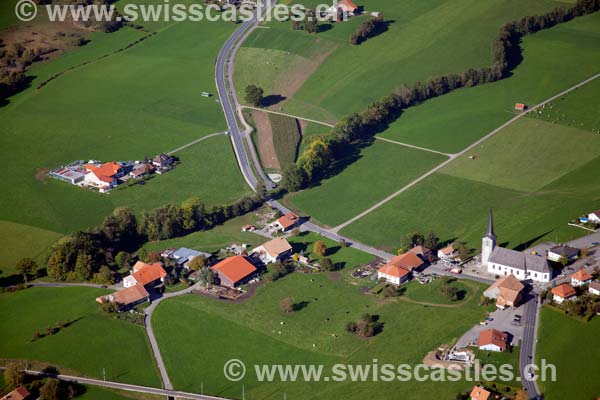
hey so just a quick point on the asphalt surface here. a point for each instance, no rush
(528, 342)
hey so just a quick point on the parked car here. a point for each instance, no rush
(489, 319)
(483, 323)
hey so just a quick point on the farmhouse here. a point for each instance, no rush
(423, 252)
(447, 253)
(393, 274)
(274, 250)
(479, 393)
(520, 107)
(594, 217)
(343, 6)
(234, 271)
(581, 277)
(163, 162)
(141, 169)
(19, 393)
(560, 253)
(563, 292)
(183, 256)
(145, 275)
(492, 340)
(285, 223)
(595, 288)
(104, 176)
(502, 261)
(128, 297)
(507, 291)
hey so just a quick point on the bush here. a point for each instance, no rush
(367, 326)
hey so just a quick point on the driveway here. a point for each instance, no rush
(502, 322)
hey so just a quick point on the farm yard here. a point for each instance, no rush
(29, 311)
(110, 110)
(313, 335)
(557, 334)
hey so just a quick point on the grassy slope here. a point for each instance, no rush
(250, 331)
(90, 343)
(567, 344)
(431, 293)
(554, 60)
(381, 169)
(286, 137)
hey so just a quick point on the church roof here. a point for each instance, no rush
(490, 231)
(519, 260)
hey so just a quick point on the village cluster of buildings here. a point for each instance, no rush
(105, 176)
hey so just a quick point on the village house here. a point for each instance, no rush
(398, 269)
(508, 292)
(581, 277)
(20, 393)
(141, 170)
(274, 250)
(479, 393)
(594, 288)
(447, 253)
(104, 176)
(594, 217)
(423, 252)
(346, 7)
(234, 271)
(563, 292)
(162, 162)
(285, 222)
(520, 107)
(492, 340)
(127, 298)
(559, 253)
(183, 256)
(145, 275)
(501, 261)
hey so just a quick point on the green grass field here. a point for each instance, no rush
(431, 292)
(90, 343)
(381, 169)
(286, 138)
(424, 38)
(568, 344)
(256, 332)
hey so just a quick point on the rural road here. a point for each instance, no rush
(185, 146)
(289, 115)
(467, 149)
(527, 355)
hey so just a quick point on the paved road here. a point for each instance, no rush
(185, 146)
(128, 387)
(288, 115)
(469, 148)
(528, 343)
(415, 147)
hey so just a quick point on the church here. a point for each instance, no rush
(501, 261)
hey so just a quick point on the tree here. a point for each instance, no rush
(13, 375)
(320, 248)
(109, 307)
(463, 251)
(287, 305)
(326, 264)
(411, 240)
(254, 95)
(294, 178)
(104, 276)
(206, 276)
(432, 241)
(279, 270)
(56, 266)
(26, 266)
(51, 390)
(197, 263)
(123, 259)
(83, 266)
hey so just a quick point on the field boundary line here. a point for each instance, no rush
(465, 150)
(185, 146)
(415, 147)
(288, 115)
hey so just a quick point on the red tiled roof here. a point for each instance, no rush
(19, 393)
(288, 220)
(130, 295)
(420, 250)
(393, 270)
(479, 393)
(349, 4)
(493, 336)
(447, 250)
(565, 291)
(235, 268)
(582, 275)
(147, 273)
(408, 261)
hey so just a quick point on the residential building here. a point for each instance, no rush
(409, 261)
(145, 275)
(479, 393)
(423, 252)
(492, 340)
(286, 222)
(520, 107)
(183, 256)
(559, 253)
(343, 6)
(20, 393)
(393, 274)
(127, 298)
(447, 253)
(141, 169)
(234, 271)
(502, 261)
(563, 292)
(594, 288)
(274, 250)
(508, 292)
(104, 176)
(581, 277)
(594, 217)
(162, 162)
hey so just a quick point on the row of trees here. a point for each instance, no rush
(359, 128)
(370, 28)
(85, 255)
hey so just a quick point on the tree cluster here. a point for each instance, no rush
(254, 95)
(371, 27)
(448, 291)
(309, 24)
(367, 326)
(279, 270)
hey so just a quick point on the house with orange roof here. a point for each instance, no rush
(423, 252)
(563, 292)
(285, 222)
(104, 176)
(127, 298)
(507, 291)
(447, 253)
(520, 106)
(145, 275)
(274, 250)
(492, 340)
(20, 393)
(398, 269)
(479, 393)
(344, 7)
(581, 277)
(234, 271)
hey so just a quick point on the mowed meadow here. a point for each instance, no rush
(537, 174)
(125, 106)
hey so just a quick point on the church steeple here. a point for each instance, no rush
(490, 231)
